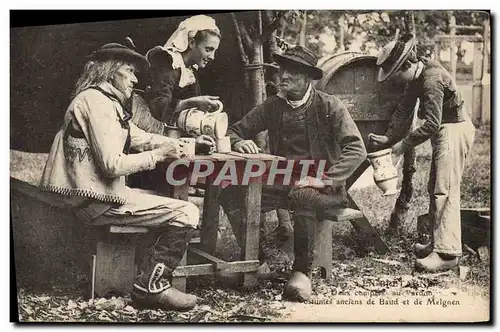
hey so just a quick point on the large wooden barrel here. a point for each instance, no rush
(352, 77)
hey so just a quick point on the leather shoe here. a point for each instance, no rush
(298, 288)
(434, 263)
(423, 250)
(169, 299)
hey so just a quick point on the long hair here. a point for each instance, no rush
(95, 73)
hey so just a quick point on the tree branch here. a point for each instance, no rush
(243, 55)
(247, 40)
(271, 25)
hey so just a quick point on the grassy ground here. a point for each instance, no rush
(350, 269)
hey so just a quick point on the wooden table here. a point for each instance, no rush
(248, 262)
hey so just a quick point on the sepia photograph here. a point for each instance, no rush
(250, 166)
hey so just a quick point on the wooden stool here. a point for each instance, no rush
(113, 266)
(323, 239)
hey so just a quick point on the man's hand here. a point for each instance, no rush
(309, 181)
(205, 103)
(246, 146)
(377, 140)
(171, 149)
(205, 144)
(397, 149)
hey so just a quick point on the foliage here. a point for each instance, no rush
(375, 28)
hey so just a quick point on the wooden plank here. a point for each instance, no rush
(115, 266)
(486, 78)
(226, 156)
(369, 106)
(357, 173)
(364, 79)
(210, 218)
(195, 240)
(256, 156)
(469, 27)
(322, 250)
(193, 270)
(219, 263)
(233, 155)
(364, 228)
(346, 214)
(342, 82)
(208, 269)
(469, 38)
(179, 282)
(52, 199)
(251, 228)
(453, 48)
(127, 229)
(477, 75)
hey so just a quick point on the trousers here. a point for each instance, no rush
(172, 224)
(450, 148)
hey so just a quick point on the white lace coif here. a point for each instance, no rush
(179, 41)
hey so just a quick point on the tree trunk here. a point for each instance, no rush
(302, 35)
(256, 74)
(270, 48)
(410, 22)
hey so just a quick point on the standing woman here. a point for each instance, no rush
(174, 86)
(448, 126)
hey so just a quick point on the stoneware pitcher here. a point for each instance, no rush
(385, 173)
(195, 122)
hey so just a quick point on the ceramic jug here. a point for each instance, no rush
(385, 173)
(195, 122)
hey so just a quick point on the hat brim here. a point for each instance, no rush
(121, 54)
(314, 72)
(384, 75)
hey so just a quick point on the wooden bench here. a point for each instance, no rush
(323, 238)
(113, 265)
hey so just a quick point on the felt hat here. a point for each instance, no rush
(302, 59)
(394, 55)
(120, 52)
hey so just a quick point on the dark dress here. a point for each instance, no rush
(165, 92)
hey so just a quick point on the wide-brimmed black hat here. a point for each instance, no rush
(302, 59)
(120, 52)
(394, 55)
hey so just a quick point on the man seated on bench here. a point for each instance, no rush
(303, 124)
(90, 158)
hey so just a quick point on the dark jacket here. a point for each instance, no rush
(165, 92)
(142, 117)
(440, 103)
(333, 135)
